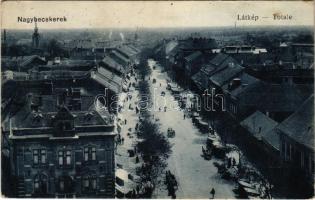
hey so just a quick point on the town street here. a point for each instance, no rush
(127, 120)
(195, 175)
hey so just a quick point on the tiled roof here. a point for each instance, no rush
(21, 60)
(300, 125)
(193, 56)
(245, 81)
(271, 138)
(58, 74)
(198, 80)
(107, 79)
(113, 64)
(121, 58)
(198, 43)
(219, 58)
(126, 51)
(208, 68)
(224, 76)
(258, 124)
(277, 97)
(170, 46)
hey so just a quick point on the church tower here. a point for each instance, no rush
(35, 38)
(4, 42)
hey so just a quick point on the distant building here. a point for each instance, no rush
(61, 153)
(35, 37)
(21, 63)
(218, 63)
(4, 42)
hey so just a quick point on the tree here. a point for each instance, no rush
(55, 49)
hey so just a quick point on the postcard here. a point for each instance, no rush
(157, 99)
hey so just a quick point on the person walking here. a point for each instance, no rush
(212, 192)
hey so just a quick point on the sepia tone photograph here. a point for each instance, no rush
(157, 99)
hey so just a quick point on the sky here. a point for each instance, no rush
(154, 14)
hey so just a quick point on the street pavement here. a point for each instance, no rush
(195, 175)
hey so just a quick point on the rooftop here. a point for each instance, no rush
(300, 125)
(110, 62)
(197, 43)
(258, 124)
(222, 77)
(193, 56)
(276, 97)
(121, 58)
(108, 79)
(245, 80)
(21, 60)
(30, 123)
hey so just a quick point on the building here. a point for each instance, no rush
(56, 152)
(297, 144)
(217, 63)
(110, 63)
(277, 101)
(235, 88)
(21, 63)
(260, 135)
(192, 64)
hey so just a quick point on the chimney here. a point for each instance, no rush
(235, 83)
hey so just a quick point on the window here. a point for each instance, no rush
(93, 153)
(64, 158)
(68, 157)
(89, 154)
(39, 156)
(89, 183)
(86, 154)
(62, 185)
(35, 157)
(40, 184)
(60, 157)
(43, 156)
(93, 180)
(65, 184)
(36, 184)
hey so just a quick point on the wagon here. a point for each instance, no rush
(170, 133)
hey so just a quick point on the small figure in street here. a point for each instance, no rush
(125, 121)
(212, 192)
(203, 150)
(229, 163)
(122, 140)
(160, 84)
(137, 159)
(164, 108)
(184, 116)
(138, 189)
(233, 162)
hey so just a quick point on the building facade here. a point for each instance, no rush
(63, 154)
